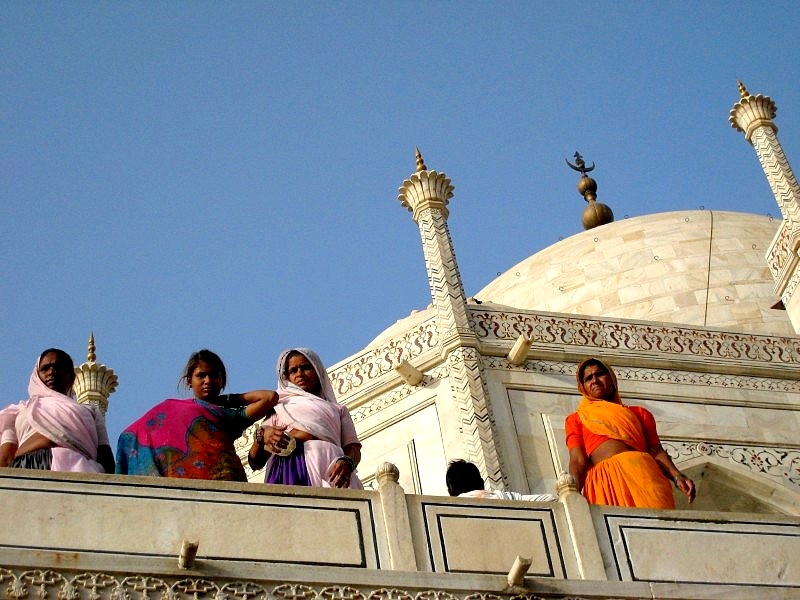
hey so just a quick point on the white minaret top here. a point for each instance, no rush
(753, 116)
(752, 112)
(425, 190)
(426, 194)
(94, 382)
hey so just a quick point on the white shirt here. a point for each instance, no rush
(500, 495)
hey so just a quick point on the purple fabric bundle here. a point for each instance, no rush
(289, 470)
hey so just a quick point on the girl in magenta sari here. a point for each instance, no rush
(327, 450)
(193, 438)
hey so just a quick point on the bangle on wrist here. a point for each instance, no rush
(350, 462)
(231, 400)
(678, 476)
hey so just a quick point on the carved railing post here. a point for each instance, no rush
(581, 529)
(397, 525)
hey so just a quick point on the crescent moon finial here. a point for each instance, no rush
(580, 164)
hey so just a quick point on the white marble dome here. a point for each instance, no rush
(698, 268)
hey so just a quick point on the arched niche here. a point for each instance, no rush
(725, 487)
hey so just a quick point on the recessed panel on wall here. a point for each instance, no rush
(539, 423)
(487, 537)
(650, 548)
(413, 443)
(150, 517)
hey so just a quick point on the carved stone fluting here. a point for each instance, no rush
(94, 382)
(752, 112)
(477, 426)
(386, 473)
(424, 190)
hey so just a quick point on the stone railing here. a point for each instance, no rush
(79, 536)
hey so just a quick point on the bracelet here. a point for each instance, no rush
(230, 400)
(350, 462)
(675, 479)
(259, 435)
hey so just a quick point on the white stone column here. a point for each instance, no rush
(94, 382)
(426, 194)
(753, 116)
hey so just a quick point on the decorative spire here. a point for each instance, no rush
(425, 189)
(742, 90)
(420, 163)
(90, 357)
(752, 112)
(94, 382)
(596, 213)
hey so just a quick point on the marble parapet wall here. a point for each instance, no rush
(103, 536)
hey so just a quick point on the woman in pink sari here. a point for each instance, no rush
(326, 448)
(50, 430)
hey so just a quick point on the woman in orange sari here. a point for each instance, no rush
(615, 453)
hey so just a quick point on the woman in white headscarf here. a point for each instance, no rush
(50, 430)
(310, 439)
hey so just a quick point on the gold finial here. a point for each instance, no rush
(420, 163)
(742, 90)
(596, 213)
(91, 356)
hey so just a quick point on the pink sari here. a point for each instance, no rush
(321, 416)
(76, 429)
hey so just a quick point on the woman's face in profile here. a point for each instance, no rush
(301, 372)
(206, 382)
(55, 373)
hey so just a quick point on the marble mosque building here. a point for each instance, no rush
(697, 311)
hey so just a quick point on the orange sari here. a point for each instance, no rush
(630, 479)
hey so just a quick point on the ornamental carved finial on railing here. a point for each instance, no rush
(566, 483)
(387, 473)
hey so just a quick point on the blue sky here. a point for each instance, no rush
(216, 174)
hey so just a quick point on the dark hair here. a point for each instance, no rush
(462, 476)
(62, 357)
(206, 356)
